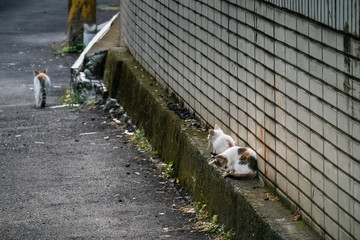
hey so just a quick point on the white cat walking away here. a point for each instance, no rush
(238, 163)
(219, 140)
(41, 87)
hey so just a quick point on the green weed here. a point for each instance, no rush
(141, 142)
(201, 213)
(210, 225)
(91, 103)
(216, 228)
(78, 47)
(213, 226)
(70, 98)
(169, 170)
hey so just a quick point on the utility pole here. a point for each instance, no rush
(80, 13)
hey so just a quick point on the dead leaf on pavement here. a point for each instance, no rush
(199, 226)
(268, 196)
(296, 216)
(187, 209)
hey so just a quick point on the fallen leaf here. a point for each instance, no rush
(275, 199)
(187, 209)
(268, 196)
(199, 226)
(296, 216)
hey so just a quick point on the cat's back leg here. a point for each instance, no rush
(37, 91)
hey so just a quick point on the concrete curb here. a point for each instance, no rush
(240, 205)
(105, 28)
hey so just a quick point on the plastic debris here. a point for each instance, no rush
(128, 133)
(117, 121)
(89, 133)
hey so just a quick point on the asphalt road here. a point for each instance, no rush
(55, 181)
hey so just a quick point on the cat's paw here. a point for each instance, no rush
(212, 162)
(225, 174)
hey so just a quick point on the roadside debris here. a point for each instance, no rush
(182, 112)
(89, 133)
(128, 133)
(268, 196)
(117, 121)
(187, 209)
(296, 216)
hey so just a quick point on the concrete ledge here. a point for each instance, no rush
(240, 205)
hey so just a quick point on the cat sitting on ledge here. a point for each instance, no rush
(236, 162)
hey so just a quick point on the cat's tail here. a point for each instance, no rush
(45, 85)
(242, 176)
(43, 97)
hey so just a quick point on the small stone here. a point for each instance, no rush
(127, 165)
(87, 72)
(124, 117)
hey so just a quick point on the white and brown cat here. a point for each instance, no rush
(41, 87)
(219, 140)
(237, 162)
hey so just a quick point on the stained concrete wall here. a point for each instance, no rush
(277, 81)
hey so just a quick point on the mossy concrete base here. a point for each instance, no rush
(240, 205)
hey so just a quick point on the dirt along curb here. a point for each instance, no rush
(247, 207)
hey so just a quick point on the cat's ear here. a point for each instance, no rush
(36, 72)
(221, 161)
(45, 71)
(211, 132)
(216, 127)
(216, 161)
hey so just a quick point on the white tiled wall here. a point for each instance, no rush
(277, 82)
